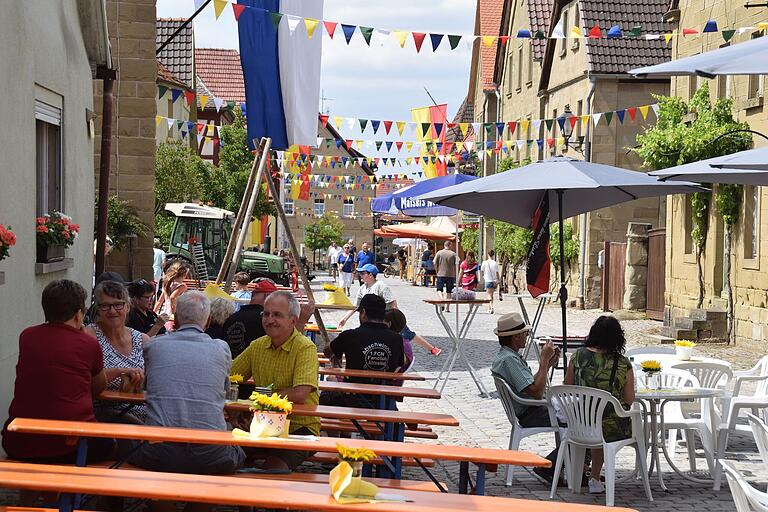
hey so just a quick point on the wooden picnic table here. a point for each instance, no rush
(481, 457)
(261, 493)
(369, 374)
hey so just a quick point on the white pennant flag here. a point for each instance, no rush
(218, 103)
(170, 122)
(596, 117)
(350, 122)
(476, 128)
(520, 143)
(381, 35)
(557, 32)
(536, 125)
(469, 146)
(655, 108)
(652, 37)
(293, 22)
(319, 141)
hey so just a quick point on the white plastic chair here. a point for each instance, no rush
(760, 432)
(583, 407)
(746, 497)
(508, 399)
(742, 398)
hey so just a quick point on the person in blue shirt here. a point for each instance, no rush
(364, 257)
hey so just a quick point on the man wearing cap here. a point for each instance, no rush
(370, 285)
(372, 346)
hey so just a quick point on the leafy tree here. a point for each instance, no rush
(470, 239)
(319, 234)
(235, 163)
(512, 243)
(123, 221)
(688, 132)
(570, 245)
(177, 177)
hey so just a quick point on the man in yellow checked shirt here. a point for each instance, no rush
(286, 360)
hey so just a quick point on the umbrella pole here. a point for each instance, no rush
(563, 289)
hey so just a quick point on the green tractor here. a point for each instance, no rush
(200, 236)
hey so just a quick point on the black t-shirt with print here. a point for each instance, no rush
(372, 346)
(243, 327)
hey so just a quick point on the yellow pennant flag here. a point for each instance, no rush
(524, 123)
(463, 127)
(402, 37)
(489, 152)
(337, 121)
(158, 120)
(295, 189)
(311, 25)
(400, 127)
(576, 32)
(203, 101)
(409, 146)
(359, 144)
(668, 37)
(644, 111)
(409, 160)
(560, 141)
(488, 40)
(219, 6)
(762, 27)
(584, 120)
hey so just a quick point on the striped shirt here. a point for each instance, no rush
(292, 364)
(510, 366)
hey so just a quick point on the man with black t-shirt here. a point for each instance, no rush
(372, 346)
(245, 326)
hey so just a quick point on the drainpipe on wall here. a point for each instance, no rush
(108, 76)
(583, 216)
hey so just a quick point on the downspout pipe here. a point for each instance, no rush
(108, 76)
(583, 219)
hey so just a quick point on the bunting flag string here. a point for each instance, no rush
(403, 36)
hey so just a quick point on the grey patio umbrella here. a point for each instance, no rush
(513, 196)
(748, 58)
(748, 167)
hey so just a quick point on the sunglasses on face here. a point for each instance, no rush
(117, 306)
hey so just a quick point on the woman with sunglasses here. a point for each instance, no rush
(123, 350)
(141, 317)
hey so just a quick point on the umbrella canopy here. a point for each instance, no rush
(749, 58)
(743, 168)
(514, 195)
(405, 200)
(414, 230)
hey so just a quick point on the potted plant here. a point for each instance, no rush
(55, 232)
(7, 240)
(652, 369)
(270, 414)
(355, 457)
(684, 349)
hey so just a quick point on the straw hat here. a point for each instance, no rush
(510, 324)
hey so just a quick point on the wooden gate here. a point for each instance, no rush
(656, 273)
(614, 262)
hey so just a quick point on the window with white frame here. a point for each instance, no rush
(288, 206)
(566, 30)
(751, 222)
(49, 176)
(519, 67)
(349, 208)
(755, 84)
(319, 207)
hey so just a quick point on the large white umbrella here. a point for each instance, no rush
(578, 187)
(748, 58)
(743, 168)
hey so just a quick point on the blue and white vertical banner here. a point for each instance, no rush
(281, 70)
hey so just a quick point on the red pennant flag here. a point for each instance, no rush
(498, 145)
(416, 159)
(632, 112)
(504, 39)
(348, 143)
(399, 145)
(330, 27)
(451, 126)
(539, 262)
(573, 120)
(448, 147)
(689, 31)
(190, 96)
(418, 39)
(377, 161)
(595, 33)
(238, 8)
(324, 120)
(550, 142)
(512, 126)
(387, 126)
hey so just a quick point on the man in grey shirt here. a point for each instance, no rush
(187, 375)
(445, 267)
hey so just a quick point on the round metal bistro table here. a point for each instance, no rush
(656, 399)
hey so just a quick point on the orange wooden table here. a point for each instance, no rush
(481, 457)
(261, 493)
(369, 374)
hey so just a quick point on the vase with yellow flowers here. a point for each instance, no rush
(652, 369)
(355, 457)
(684, 349)
(270, 415)
(234, 386)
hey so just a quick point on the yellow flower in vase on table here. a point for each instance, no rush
(270, 415)
(650, 366)
(236, 379)
(684, 349)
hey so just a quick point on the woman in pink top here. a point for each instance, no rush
(173, 287)
(468, 272)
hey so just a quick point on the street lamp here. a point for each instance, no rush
(567, 128)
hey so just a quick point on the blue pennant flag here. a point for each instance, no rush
(349, 31)
(614, 32)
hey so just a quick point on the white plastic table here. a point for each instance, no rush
(457, 336)
(656, 399)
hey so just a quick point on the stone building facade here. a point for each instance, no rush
(132, 34)
(749, 263)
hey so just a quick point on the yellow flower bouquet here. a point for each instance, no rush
(650, 366)
(684, 349)
(270, 415)
(685, 343)
(355, 454)
(236, 379)
(274, 403)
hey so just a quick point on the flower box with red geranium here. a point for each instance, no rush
(7, 240)
(55, 231)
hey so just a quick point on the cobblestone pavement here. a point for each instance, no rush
(483, 422)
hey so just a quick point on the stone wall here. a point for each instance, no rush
(749, 274)
(132, 177)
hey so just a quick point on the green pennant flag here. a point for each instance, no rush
(728, 34)
(179, 124)
(608, 116)
(367, 33)
(454, 41)
(328, 144)
(231, 106)
(425, 129)
(635, 32)
(275, 17)
(488, 127)
(378, 145)
(161, 90)
(539, 35)
(549, 123)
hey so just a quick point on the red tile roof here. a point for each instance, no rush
(489, 14)
(220, 71)
(164, 75)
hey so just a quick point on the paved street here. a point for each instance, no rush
(483, 422)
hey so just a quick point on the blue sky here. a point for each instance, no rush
(377, 82)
